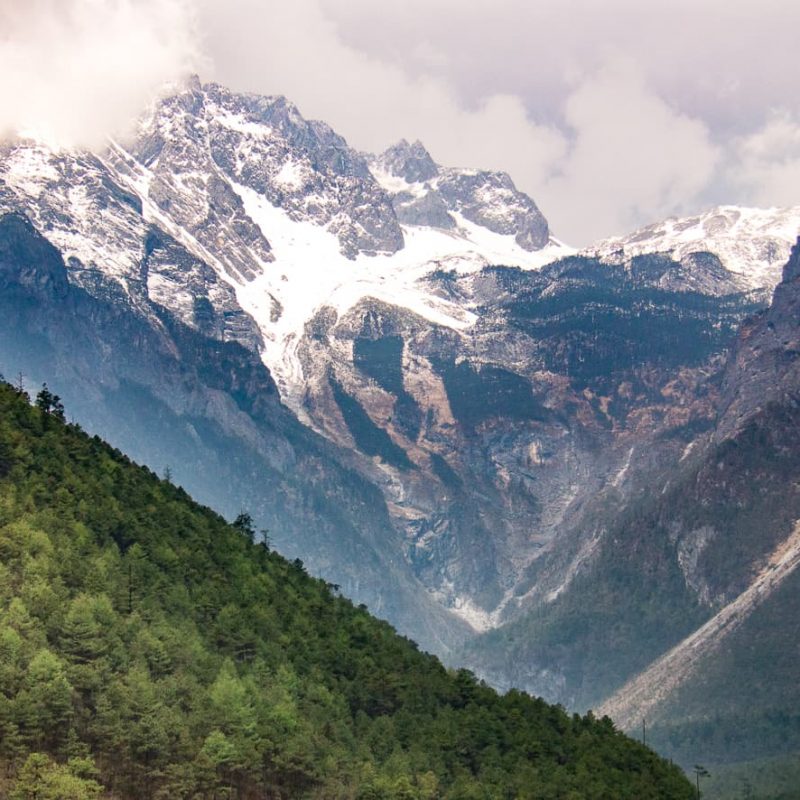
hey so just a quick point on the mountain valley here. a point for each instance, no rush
(552, 466)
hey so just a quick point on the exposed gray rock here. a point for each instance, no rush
(191, 290)
(514, 426)
(302, 167)
(765, 364)
(490, 199)
(168, 395)
(412, 162)
(429, 210)
(705, 272)
(206, 137)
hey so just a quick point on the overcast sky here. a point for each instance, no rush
(610, 114)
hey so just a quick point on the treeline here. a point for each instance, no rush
(150, 650)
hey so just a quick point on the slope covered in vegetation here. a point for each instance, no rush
(148, 649)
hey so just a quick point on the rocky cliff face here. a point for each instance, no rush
(237, 219)
(490, 442)
(198, 147)
(425, 194)
(683, 609)
(739, 507)
(764, 366)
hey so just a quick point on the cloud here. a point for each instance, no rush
(84, 69)
(765, 164)
(724, 61)
(634, 158)
(712, 73)
(614, 156)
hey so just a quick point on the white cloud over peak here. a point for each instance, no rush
(765, 165)
(616, 156)
(84, 69)
(296, 50)
(634, 158)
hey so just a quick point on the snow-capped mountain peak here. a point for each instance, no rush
(411, 162)
(751, 243)
(271, 219)
(273, 215)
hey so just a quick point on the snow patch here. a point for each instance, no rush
(239, 123)
(687, 450)
(620, 476)
(394, 184)
(291, 176)
(29, 168)
(310, 273)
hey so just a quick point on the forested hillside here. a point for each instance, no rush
(148, 649)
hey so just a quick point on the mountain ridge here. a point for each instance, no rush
(151, 223)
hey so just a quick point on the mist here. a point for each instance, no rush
(84, 70)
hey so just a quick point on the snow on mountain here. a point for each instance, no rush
(274, 215)
(267, 218)
(70, 198)
(424, 193)
(114, 238)
(360, 281)
(310, 274)
(751, 244)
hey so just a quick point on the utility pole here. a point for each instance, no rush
(700, 772)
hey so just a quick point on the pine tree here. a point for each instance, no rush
(50, 404)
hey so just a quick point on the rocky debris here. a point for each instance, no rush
(570, 381)
(640, 698)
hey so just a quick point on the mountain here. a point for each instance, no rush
(741, 500)
(171, 232)
(425, 194)
(149, 649)
(471, 427)
(209, 411)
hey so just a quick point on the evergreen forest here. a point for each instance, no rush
(149, 649)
